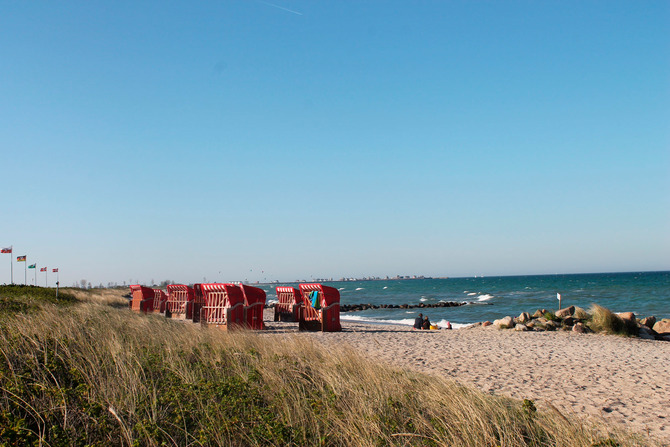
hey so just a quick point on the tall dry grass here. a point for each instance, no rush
(97, 375)
(605, 321)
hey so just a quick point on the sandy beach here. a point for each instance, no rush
(621, 380)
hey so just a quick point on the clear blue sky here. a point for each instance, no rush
(241, 139)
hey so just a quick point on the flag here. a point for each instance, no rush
(21, 258)
(558, 296)
(43, 269)
(55, 270)
(32, 266)
(6, 250)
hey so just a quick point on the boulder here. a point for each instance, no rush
(524, 317)
(662, 327)
(504, 323)
(486, 323)
(646, 333)
(550, 325)
(627, 316)
(649, 321)
(569, 321)
(581, 314)
(520, 328)
(566, 312)
(540, 313)
(579, 328)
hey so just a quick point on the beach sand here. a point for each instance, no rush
(620, 380)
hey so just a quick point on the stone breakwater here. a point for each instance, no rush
(576, 319)
(358, 307)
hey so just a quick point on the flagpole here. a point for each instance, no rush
(25, 271)
(11, 265)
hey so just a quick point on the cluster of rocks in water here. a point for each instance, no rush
(357, 307)
(576, 319)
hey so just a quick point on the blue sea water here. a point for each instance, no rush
(490, 298)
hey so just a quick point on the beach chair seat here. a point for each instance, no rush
(179, 298)
(223, 306)
(289, 304)
(325, 316)
(160, 300)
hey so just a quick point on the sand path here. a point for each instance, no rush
(621, 380)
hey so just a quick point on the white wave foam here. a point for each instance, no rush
(386, 287)
(341, 288)
(271, 301)
(404, 322)
(485, 297)
(472, 293)
(360, 288)
(424, 299)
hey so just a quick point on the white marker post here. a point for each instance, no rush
(558, 296)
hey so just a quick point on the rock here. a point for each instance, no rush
(581, 314)
(627, 316)
(567, 312)
(524, 317)
(662, 327)
(520, 327)
(649, 321)
(550, 325)
(504, 323)
(569, 321)
(579, 328)
(487, 323)
(540, 313)
(646, 333)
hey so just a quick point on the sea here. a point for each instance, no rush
(491, 298)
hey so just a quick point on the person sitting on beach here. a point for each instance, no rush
(426, 323)
(418, 322)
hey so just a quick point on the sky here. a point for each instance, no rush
(244, 140)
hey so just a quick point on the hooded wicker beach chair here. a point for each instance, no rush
(180, 299)
(223, 307)
(321, 312)
(289, 304)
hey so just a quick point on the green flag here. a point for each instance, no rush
(32, 266)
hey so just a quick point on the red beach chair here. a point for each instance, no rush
(327, 317)
(254, 302)
(289, 304)
(198, 301)
(180, 298)
(143, 298)
(224, 306)
(160, 299)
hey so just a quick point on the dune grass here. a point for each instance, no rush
(605, 321)
(93, 374)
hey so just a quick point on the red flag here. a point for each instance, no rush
(6, 250)
(43, 269)
(55, 270)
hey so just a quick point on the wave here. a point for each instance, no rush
(485, 297)
(423, 298)
(341, 288)
(360, 288)
(404, 322)
(472, 293)
(386, 287)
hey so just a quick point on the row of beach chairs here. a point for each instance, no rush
(227, 306)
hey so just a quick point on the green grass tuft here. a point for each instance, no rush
(606, 321)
